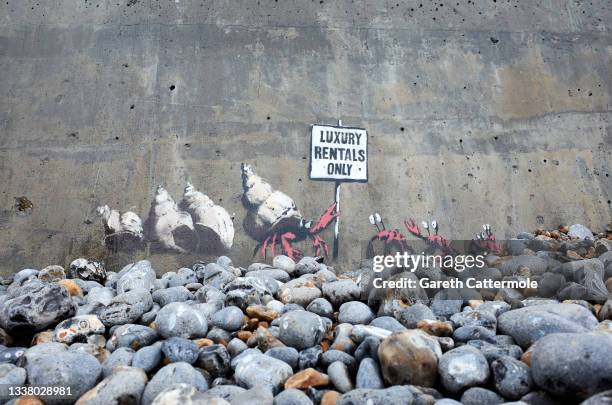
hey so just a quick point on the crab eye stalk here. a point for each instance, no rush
(425, 225)
(372, 221)
(377, 217)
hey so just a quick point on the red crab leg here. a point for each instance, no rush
(286, 239)
(274, 245)
(264, 247)
(412, 227)
(319, 243)
(328, 216)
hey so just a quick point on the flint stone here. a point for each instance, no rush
(544, 320)
(512, 378)
(368, 375)
(339, 292)
(462, 368)
(172, 294)
(355, 312)
(127, 307)
(90, 270)
(100, 295)
(52, 274)
(10, 376)
(178, 349)
(339, 376)
(215, 359)
(182, 277)
(493, 351)
(236, 346)
(52, 367)
(77, 329)
(300, 329)
(292, 397)
(307, 265)
(276, 274)
(35, 306)
(125, 385)
(388, 323)
(139, 275)
(230, 318)
(479, 396)
(409, 317)
(173, 373)
(148, 358)
(121, 357)
(446, 308)
(321, 307)
(535, 264)
(309, 357)
(388, 396)
(332, 355)
(475, 318)
(580, 232)
(256, 369)
(133, 336)
(287, 354)
(573, 364)
(182, 320)
(185, 394)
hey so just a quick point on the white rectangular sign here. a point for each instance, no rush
(338, 153)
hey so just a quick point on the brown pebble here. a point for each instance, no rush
(252, 323)
(45, 336)
(72, 287)
(306, 379)
(526, 358)
(6, 339)
(244, 335)
(573, 255)
(330, 398)
(436, 328)
(203, 342)
(29, 400)
(262, 313)
(263, 324)
(266, 340)
(325, 345)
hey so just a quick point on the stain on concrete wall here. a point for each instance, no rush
(477, 112)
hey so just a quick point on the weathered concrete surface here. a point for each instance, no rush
(477, 111)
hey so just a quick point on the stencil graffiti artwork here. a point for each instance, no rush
(394, 240)
(197, 224)
(273, 218)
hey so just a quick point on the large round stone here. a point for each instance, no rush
(573, 364)
(409, 357)
(180, 319)
(300, 329)
(462, 368)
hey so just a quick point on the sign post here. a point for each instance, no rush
(338, 154)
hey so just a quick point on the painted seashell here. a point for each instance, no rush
(171, 227)
(121, 231)
(212, 222)
(269, 209)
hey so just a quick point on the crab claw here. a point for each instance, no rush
(412, 227)
(328, 216)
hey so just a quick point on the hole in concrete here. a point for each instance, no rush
(132, 107)
(116, 138)
(402, 129)
(268, 117)
(172, 87)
